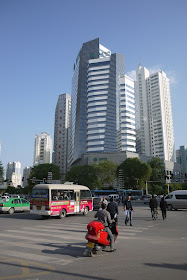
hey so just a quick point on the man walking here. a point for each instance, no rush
(112, 208)
(163, 207)
(128, 208)
(153, 204)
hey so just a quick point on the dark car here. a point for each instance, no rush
(97, 203)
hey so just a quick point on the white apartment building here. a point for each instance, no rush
(42, 149)
(62, 133)
(127, 131)
(154, 123)
(13, 173)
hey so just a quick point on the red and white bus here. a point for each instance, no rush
(60, 199)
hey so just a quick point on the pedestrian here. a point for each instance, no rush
(104, 217)
(112, 208)
(163, 207)
(128, 209)
(153, 204)
(105, 201)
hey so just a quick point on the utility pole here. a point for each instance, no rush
(146, 188)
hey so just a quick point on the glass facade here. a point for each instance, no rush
(79, 98)
(103, 103)
(103, 110)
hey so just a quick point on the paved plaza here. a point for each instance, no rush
(36, 249)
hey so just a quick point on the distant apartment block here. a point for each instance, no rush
(13, 173)
(42, 149)
(154, 123)
(26, 175)
(62, 133)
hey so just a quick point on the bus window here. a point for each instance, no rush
(85, 194)
(62, 194)
(66, 195)
(40, 193)
(89, 195)
(71, 195)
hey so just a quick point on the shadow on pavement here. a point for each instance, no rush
(169, 265)
(74, 249)
(72, 275)
(20, 215)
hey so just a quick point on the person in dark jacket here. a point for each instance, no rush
(153, 204)
(112, 208)
(104, 217)
(128, 209)
(163, 207)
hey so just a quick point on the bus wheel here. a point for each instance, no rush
(62, 214)
(86, 210)
(45, 217)
(11, 211)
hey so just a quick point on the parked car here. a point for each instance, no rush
(147, 198)
(159, 197)
(14, 204)
(97, 203)
(4, 197)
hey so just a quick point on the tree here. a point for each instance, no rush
(157, 165)
(1, 170)
(106, 172)
(135, 172)
(40, 172)
(83, 175)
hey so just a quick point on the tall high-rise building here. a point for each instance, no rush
(127, 132)
(79, 98)
(154, 121)
(42, 149)
(62, 133)
(181, 158)
(96, 100)
(13, 173)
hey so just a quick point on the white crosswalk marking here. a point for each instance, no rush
(59, 244)
(36, 257)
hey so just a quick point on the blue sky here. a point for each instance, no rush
(40, 40)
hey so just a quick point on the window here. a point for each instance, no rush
(181, 196)
(169, 196)
(85, 194)
(17, 201)
(62, 194)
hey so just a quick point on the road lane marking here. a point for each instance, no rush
(36, 246)
(36, 239)
(60, 236)
(25, 267)
(37, 257)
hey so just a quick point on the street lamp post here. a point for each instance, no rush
(146, 188)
